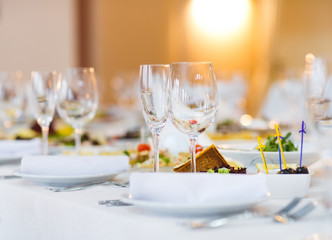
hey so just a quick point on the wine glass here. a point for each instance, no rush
(318, 86)
(154, 93)
(11, 98)
(77, 99)
(193, 100)
(43, 101)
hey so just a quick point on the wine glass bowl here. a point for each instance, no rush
(77, 99)
(11, 98)
(318, 86)
(155, 101)
(193, 99)
(43, 101)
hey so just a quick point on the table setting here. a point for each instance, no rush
(199, 187)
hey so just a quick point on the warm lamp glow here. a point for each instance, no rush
(221, 17)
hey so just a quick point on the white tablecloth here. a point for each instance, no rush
(30, 212)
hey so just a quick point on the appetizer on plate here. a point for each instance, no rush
(211, 160)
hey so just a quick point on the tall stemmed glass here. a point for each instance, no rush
(155, 101)
(43, 101)
(193, 100)
(77, 99)
(318, 85)
(11, 98)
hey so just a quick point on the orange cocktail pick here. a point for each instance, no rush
(278, 135)
(260, 147)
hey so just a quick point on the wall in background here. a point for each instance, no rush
(116, 37)
(38, 34)
(125, 34)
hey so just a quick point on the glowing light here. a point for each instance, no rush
(272, 123)
(246, 120)
(309, 57)
(222, 17)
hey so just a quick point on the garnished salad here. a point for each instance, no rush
(271, 144)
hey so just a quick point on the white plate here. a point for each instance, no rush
(241, 153)
(65, 181)
(193, 209)
(288, 185)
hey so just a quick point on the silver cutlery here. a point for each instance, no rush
(283, 213)
(87, 185)
(114, 202)
(9, 177)
(292, 217)
(218, 222)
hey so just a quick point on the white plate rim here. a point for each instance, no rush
(242, 150)
(162, 206)
(73, 177)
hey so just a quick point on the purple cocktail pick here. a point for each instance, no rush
(302, 131)
(280, 161)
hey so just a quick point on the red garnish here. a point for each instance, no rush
(199, 148)
(192, 122)
(143, 147)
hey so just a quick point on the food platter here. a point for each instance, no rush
(247, 154)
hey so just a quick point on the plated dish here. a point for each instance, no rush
(288, 185)
(66, 181)
(248, 155)
(193, 209)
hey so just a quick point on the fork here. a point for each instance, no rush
(292, 217)
(218, 222)
(114, 202)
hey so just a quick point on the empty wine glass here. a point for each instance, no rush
(77, 99)
(193, 100)
(43, 101)
(11, 99)
(155, 100)
(318, 86)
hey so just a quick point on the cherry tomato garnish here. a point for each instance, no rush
(199, 148)
(192, 122)
(143, 147)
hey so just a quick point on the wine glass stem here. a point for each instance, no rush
(7, 125)
(78, 132)
(193, 141)
(156, 152)
(45, 130)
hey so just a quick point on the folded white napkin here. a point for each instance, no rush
(18, 148)
(197, 188)
(73, 165)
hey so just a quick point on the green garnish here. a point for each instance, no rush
(125, 152)
(223, 170)
(210, 171)
(272, 144)
(165, 159)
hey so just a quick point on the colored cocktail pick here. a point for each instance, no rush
(278, 135)
(302, 131)
(280, 164)
(260, 147)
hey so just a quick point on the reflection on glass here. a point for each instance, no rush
(42, 98)
(11, 99)
(193, 100)
(155, 100)
(77, 99)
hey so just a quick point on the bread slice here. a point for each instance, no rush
(205, 160)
